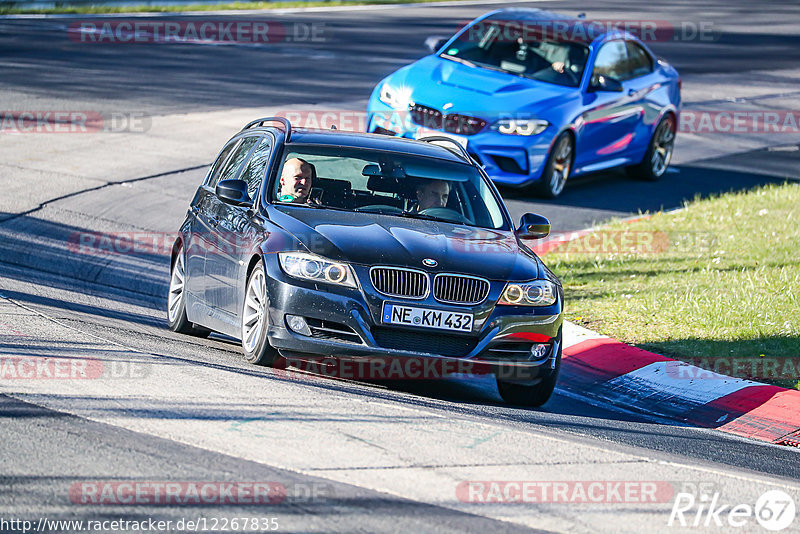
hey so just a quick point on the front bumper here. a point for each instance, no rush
(346, 323)
(512, 160)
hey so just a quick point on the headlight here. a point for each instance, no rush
(520, 126)
(394, 98)
(317, 269)
(536, 293)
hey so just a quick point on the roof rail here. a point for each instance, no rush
(287, 126)
(461, 149)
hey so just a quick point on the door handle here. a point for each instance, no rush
(631, 92)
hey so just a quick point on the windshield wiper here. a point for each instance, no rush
(412, 215)
(315, 206)
(458, 60)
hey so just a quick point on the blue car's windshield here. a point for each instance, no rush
(387, 183)
(515, 49)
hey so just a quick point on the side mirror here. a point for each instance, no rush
(233, 192)
(435, 42)
(533, 226)
(601, 82)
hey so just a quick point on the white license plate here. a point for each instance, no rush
(426, 132)
(426, 318)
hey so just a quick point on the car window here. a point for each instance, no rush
(235, 161)
(254, 171)
(612, 60)
(639, 62)
(534, 55)
(216, 168)
(386, 183)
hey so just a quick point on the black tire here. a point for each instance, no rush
(536, 395)
(176, 300)
(659, 152)
(255, 344)
(558, 167)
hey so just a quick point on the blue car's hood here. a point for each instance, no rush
(485, 93)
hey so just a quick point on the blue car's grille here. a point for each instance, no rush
(463, 124)
(433, 118)
(427, 117)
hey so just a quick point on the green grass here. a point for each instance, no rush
(100, 9)
(723, 283)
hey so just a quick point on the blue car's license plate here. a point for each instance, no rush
(426, 318)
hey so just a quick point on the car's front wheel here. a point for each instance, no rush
(659, 152)
(176, 300)
(535, 395)
(255, 320)
(558, 167)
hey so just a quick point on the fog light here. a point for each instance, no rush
(298, 324)
(539, 350)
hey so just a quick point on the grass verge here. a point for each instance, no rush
(229, 6)
(716, 284)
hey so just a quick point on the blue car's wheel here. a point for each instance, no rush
(558, 166)
(659, 152)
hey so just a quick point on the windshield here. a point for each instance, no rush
(502, 46)
(373, 181)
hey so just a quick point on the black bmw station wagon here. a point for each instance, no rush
(315, 242)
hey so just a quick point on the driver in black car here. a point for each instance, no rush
(296, 181)
(432, 194)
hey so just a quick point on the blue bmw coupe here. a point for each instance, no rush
(537, 97)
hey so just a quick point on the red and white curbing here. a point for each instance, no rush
(605, 369)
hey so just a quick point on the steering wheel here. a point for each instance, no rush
(445, 213)
(572, 75)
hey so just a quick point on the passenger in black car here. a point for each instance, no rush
(432, 194)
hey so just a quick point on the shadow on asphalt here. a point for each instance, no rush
(615, 191)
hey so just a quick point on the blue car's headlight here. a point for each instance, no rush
(536, 293)
(316, 268)
(520, 126)
(396, 98)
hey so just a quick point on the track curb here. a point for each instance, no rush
(608, 370)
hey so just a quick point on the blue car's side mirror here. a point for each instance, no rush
(435, 42)
(601, 82)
